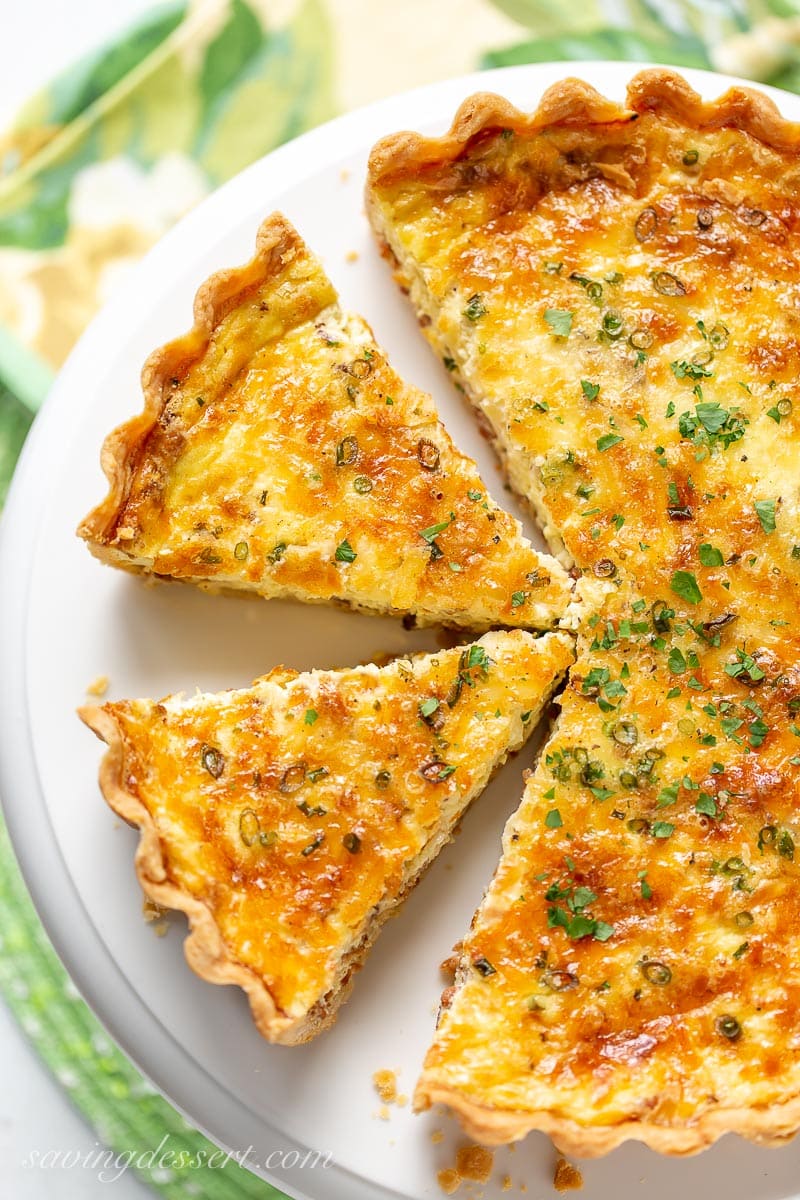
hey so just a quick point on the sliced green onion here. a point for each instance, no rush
(657, 973)
(728, 1027)
(646, 224)
(293, 778)
(346, 451)
(667, 284)
(213, 760)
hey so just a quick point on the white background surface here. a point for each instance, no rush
(38, 38)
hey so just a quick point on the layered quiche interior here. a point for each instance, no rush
(618, 290)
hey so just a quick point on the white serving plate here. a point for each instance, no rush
(65, 619)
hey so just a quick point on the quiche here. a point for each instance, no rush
(290, 819)
(632, 971)
(278, 453)
(617, 289)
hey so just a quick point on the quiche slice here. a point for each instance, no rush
(290, 819)
(633, 969)
(617, 287)
(279, 453)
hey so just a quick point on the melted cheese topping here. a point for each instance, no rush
(623, 303)
(300, 809)
(289, 459)
(641, 929)
(641, 422)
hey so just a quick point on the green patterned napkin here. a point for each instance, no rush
(102, 162)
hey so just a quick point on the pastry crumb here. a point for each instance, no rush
(155, 916)
(152, 911)
(506, 1183)
(566, 1177)
(344, 174)
(402, 1100)
(386, 1085)
(449, 1181)
(383, 1112)
(98, 686)
(448, 966)
(474, 1162)
(351, 256)
(437, 1136)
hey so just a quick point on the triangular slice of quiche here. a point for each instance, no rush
(288, 820)
(279, 453)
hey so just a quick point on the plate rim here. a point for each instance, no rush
(170, 1068)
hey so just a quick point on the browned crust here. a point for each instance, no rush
(771, 1126)
(205, 949)
(121, 454)
(573, 102)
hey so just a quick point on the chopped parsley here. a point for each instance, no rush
(706, 805)
(573, 918)
(431, 533)
(765, 511)
(710, 556)
(607, 441)
(676, 661)
(690, 370)
(345, 552)
(710, 425)
(744, 667)
(559, 320)
(684, 584)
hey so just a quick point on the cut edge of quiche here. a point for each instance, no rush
(569, 103)
(273, 446)
(202, 777)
